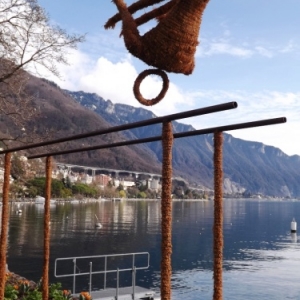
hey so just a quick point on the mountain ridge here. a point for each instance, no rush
(249, 167)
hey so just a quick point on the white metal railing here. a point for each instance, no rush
(105, 270)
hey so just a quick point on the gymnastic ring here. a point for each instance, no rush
(141, 77)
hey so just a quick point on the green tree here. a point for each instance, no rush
(122, 194)
(57, 188)
(143, 188)
(36, 187)
(120, 187)
(85, 190)
(68, 183)
(32, 191)
(38, 183)
(132, 192)
(16, 190)
(141, 195)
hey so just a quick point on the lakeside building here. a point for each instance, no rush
(102, 179)
(124, 183)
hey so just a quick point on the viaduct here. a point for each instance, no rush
(111, 172)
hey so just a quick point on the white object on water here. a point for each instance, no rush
(294, 237)
(293, 226)
(98, 224)
(42, 200)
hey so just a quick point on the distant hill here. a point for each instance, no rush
(249, 167)
(62, 116)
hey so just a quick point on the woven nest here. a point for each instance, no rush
(169, 46)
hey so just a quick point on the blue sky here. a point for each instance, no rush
(249, 52)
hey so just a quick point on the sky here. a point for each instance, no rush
(248, 52)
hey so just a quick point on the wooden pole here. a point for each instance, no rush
(4, 222)
(45, 282)
(166, 212)
(218, 217)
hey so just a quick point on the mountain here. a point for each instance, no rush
(60, 115)
(249, 167)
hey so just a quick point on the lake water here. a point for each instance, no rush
(261, 256)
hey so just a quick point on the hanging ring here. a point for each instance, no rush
(141, 77)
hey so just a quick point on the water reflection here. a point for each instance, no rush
(259, 250)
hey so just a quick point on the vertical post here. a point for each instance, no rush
(218, 217)
(105, 268)
(166, 212)
(74, 275)
(133, 282)
(4, 222)
(117, 289)
(133, 266)
(90, 282)
(45, 285)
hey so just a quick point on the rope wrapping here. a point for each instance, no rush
(45, 282)
(166, 212)
(4, 222)
(141, 77)
(218, 217)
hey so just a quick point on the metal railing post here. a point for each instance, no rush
(90, 282)
(133, 265)
(117, 290)
(133, 282)
(105, 268)
(74, 275)
(91, 271)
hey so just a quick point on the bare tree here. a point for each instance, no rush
(28, 43)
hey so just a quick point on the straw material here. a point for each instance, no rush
(218, 217)
(166, 212)
(136, 6)
(156, 13)
(4, 222)
(169, 46)
(141, 77)
(45, 283)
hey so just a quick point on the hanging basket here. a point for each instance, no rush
(141, 77)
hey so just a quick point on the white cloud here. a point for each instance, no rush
(254, 107)
(111, 81)
(263, 51)
(228, 45)
(290, 47)
(114, 80)
(222, 47)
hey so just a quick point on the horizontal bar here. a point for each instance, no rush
(101, 272)
(175, 135)
(168, 118)
(232, 127)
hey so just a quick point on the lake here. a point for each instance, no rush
(261, 256)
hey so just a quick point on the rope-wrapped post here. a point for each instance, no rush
(4, 222)
(218, 217)
(166, 212)
(45, 281)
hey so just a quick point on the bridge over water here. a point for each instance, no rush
(95, 170)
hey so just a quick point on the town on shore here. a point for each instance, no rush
(77, 184)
